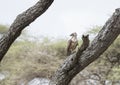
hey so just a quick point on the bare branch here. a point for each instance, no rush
(21, 22)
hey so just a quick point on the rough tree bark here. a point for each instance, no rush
(76, 63)
(20, 23)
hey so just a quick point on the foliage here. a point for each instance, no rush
(3, 29)
(94, 30)
(27, 59)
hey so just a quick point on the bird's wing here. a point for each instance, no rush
(75, 45)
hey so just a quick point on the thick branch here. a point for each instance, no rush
(21, 22)
(102, 41)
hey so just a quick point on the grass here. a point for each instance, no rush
(26, 60)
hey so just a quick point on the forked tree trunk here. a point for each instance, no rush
(20, 23)
(74, 64)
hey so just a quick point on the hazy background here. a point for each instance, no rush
(63, 17)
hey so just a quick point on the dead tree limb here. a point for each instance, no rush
(20, 23)
(102, 41)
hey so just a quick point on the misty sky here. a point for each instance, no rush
(63, 17)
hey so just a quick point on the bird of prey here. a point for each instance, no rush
(72, 44)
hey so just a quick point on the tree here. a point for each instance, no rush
(103, 71)
(75, 62)
(20, 23)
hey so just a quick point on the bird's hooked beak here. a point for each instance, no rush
(73, 34)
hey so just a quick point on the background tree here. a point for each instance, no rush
(3, 29)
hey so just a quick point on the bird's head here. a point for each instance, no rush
(74, 34)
